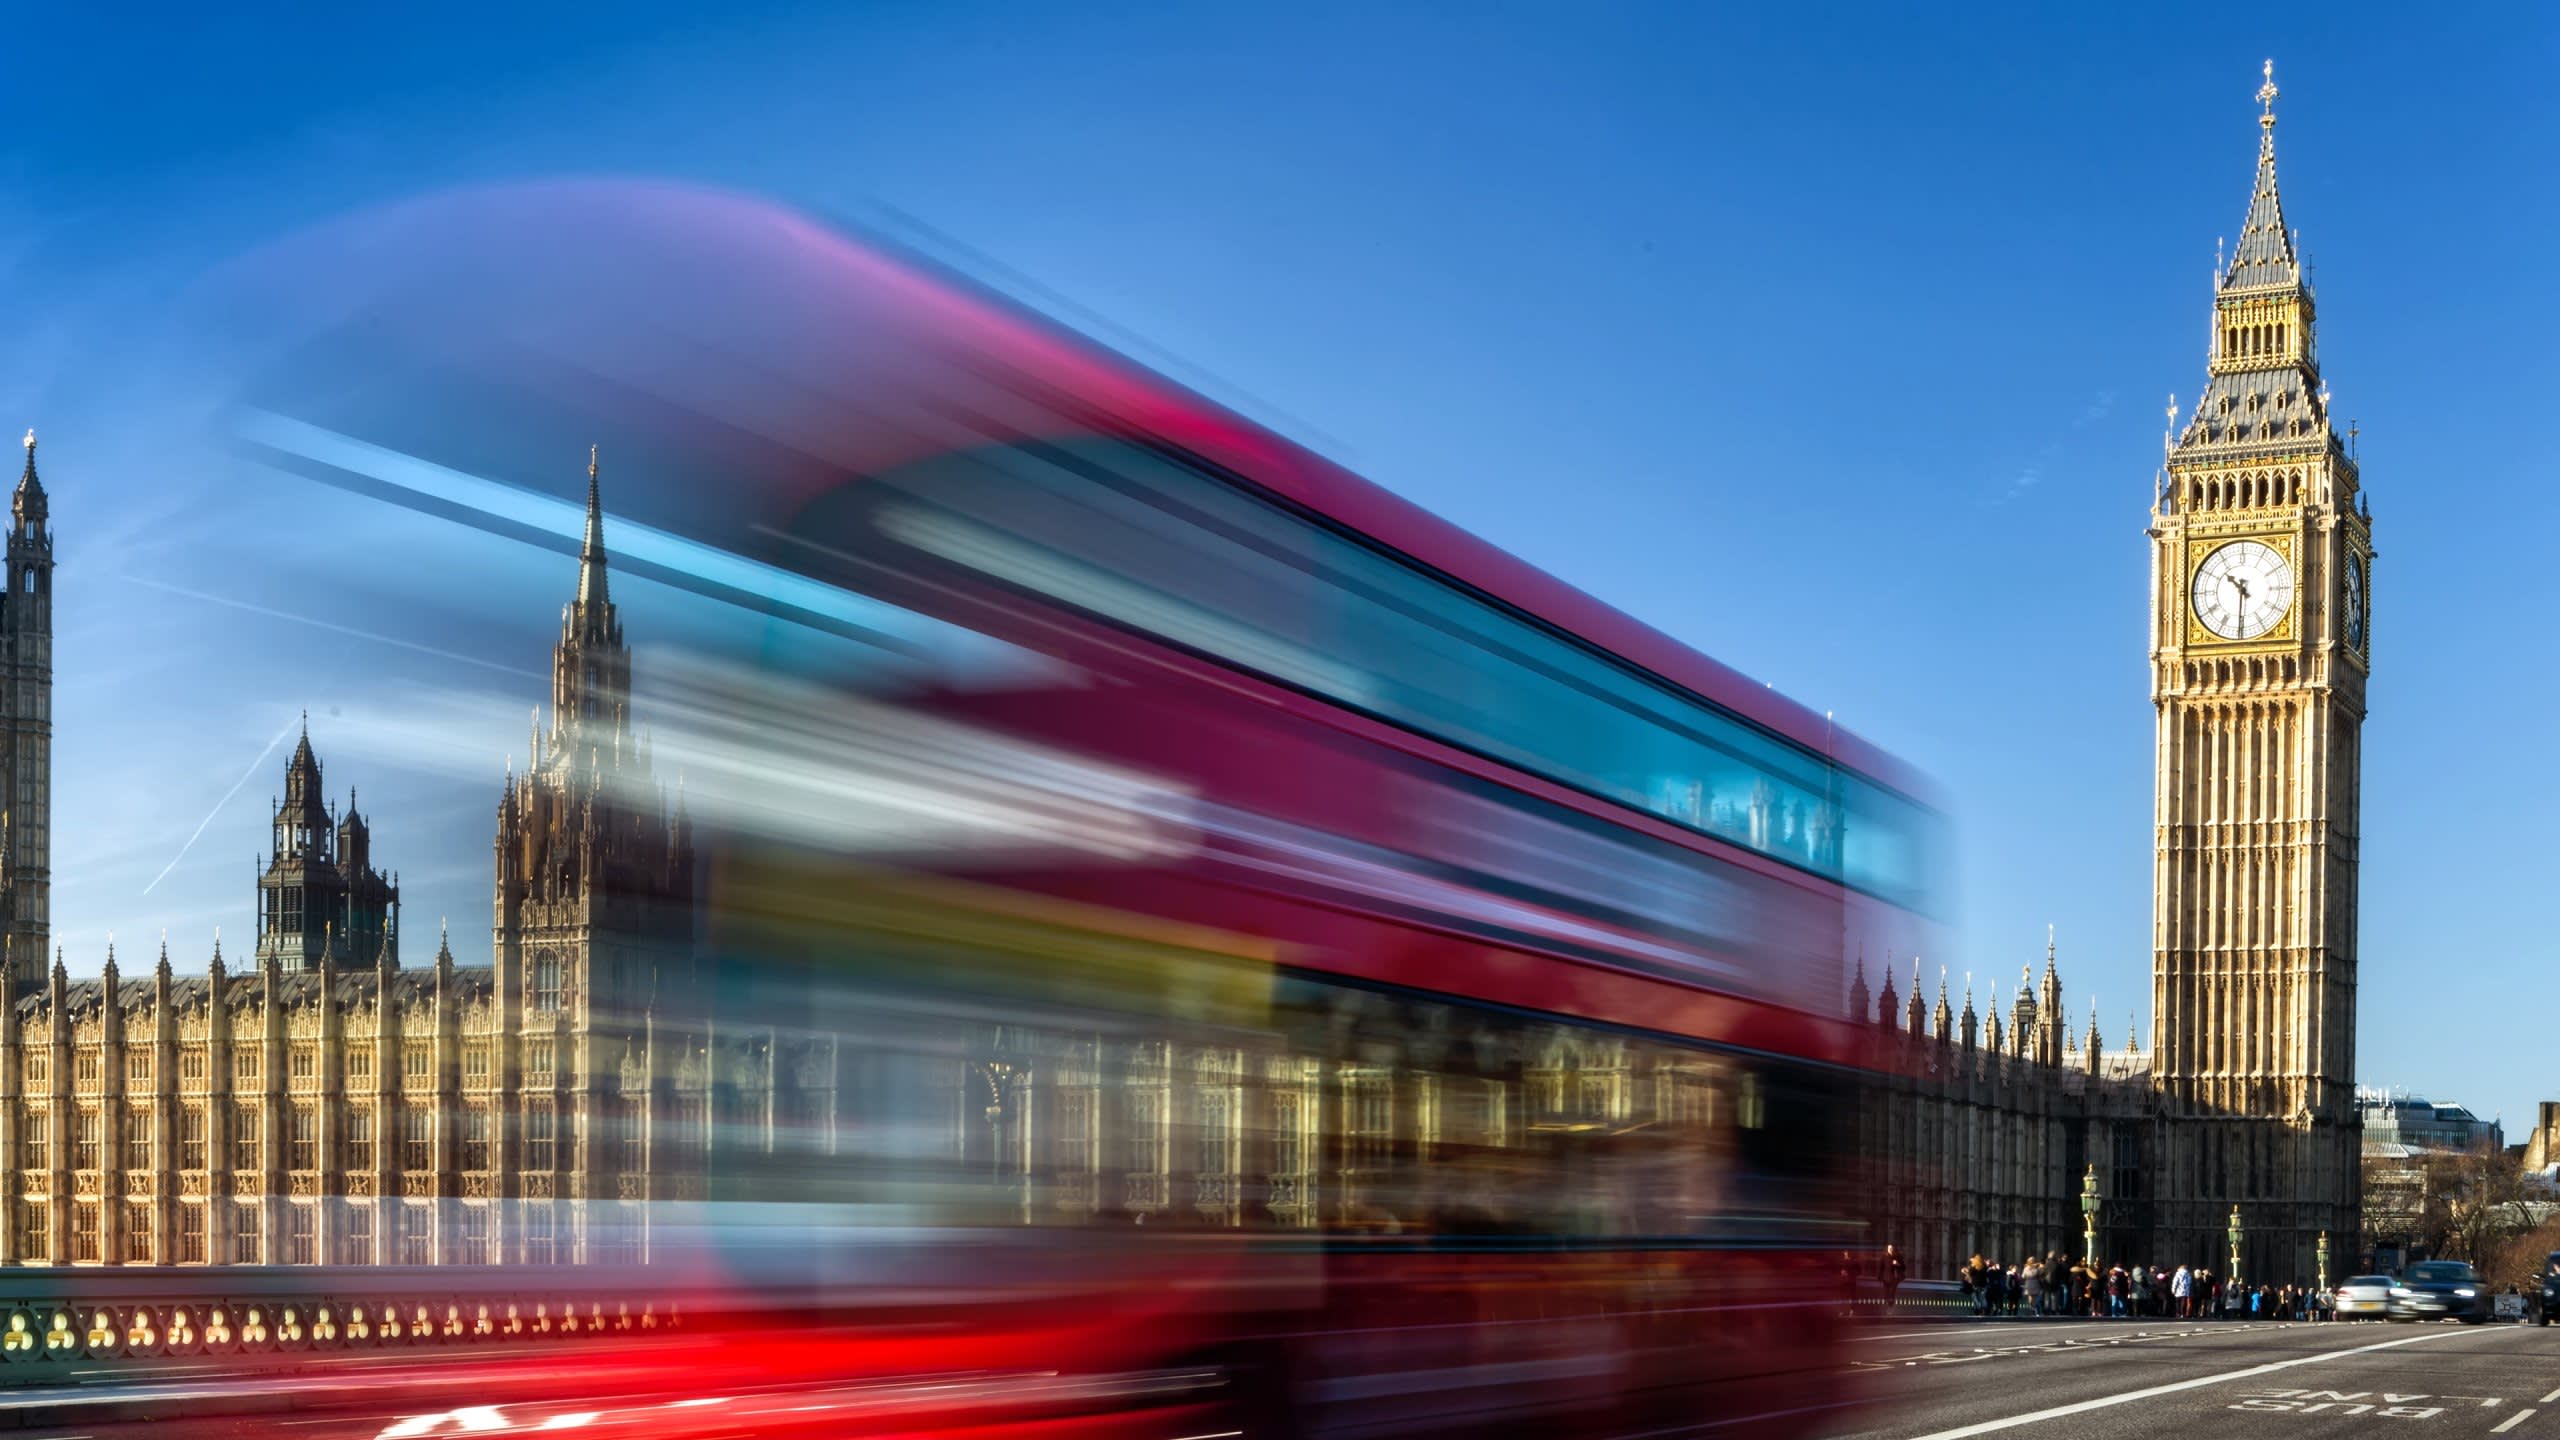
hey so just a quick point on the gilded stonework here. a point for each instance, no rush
(2256, 825)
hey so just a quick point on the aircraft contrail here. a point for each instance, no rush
(217, 807)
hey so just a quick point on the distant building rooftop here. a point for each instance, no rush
(2400, 1126)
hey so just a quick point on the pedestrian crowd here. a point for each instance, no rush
(2054, 1285)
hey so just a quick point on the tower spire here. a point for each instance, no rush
(591, 581)
(27, 506)
(2265, 254)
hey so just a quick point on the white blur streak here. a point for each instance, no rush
(962, 656)
(1059, 577)
(455, 733)
(198, 832)
(766, 755)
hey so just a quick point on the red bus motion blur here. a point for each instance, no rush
(1383, 976)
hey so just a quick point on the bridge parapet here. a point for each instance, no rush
(262, 1316)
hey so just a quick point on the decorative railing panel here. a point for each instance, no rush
(247, 1313)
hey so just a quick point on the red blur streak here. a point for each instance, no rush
(1109, 393)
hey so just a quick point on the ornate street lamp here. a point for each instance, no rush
(2089, 1217)
(2234, 1234)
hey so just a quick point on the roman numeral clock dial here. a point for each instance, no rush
(2355, 602)
(2242, 589)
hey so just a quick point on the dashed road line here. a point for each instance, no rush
(2512, 1421)
(2104, 1402)
(2547, 1399)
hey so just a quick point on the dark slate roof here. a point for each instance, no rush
(2264, 256)
(242, 991)
(2275, 409)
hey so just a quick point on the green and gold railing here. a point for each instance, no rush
(54, 1319)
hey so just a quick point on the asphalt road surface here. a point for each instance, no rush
(2114, 1380)
(2036, 1380)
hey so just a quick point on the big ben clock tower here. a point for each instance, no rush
(2261, 556)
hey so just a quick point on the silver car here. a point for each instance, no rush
(2364, 1297)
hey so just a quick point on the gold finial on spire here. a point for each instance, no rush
(591, 462)
(2267, 97)
(31, 438)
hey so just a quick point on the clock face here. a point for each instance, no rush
(2242, 590)
(2355, 602)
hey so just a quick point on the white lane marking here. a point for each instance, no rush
(2547, 1399)
(2105, 1402)
(2512, 1421)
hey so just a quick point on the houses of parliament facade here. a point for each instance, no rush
(318, 1100)
(1981, 1138)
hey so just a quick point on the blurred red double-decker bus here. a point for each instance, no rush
(1265, 933)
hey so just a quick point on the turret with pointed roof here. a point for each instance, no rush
(28, 504)
(2263, 394)
(588, 858)
(590, 667)
(26, 731)
(319, 893)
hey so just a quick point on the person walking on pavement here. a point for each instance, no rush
(2031, 1274)
(1889, 1273)
(2181, 1289)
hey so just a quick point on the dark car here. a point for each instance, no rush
(2441, 1290)
(2550, 1298)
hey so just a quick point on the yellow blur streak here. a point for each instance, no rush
(994, 941)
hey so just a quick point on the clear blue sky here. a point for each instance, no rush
(1831, 340)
